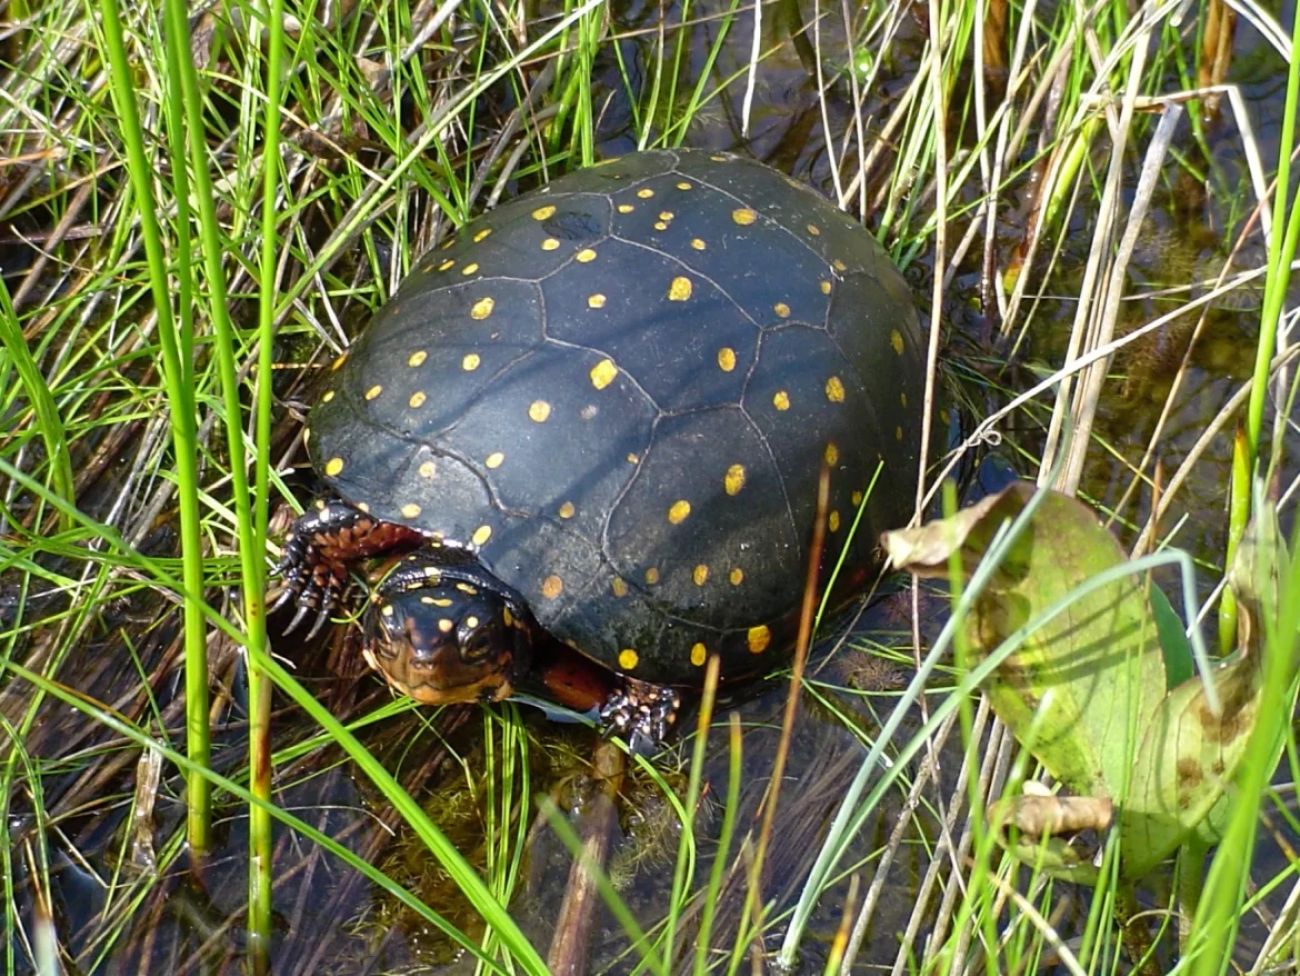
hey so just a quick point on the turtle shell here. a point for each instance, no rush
(618, 392)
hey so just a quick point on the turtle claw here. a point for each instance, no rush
(641, 713)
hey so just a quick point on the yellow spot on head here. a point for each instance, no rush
(328, 395)
(428, 469)
(698, 244)
(680, 289)
(678, 511)
(481, 535)
(700, 574)
(507, 617)
(814, 230)
(645, 193)
(835, 390)
(544, 213)
(482, 308)
(363, 507)
(896, 340)
(603, 373)
(652, 576)
(782, 310)
(758, 638)
(625, 208)
(618, 587)
(333, 466)
(374, 391)
(734, 479)
(825, 287)
(447, 264)
(627, 659)
(470, 362)
(832, 454)
(736, 576)
(482, 234)
(538, 411)
(445, 624)
(726, 359)
(410, 510)
(550, 244)
(833, 521)
(417, 398)
(471, 621)
(416, 358)
(699, 654)
(552, 587)
(387, 610)
(585, 256)
(469, 269)
(463, 587)
(494, 459)
(567, 510)
(596, 300)
(744, 216)
(781, 400)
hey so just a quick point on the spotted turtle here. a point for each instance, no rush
(594, 421)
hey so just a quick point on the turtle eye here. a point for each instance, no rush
(481, 632)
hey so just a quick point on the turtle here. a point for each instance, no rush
(585, 436)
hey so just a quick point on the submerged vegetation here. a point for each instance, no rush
(200, 207)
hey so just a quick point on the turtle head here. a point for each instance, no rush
(445, 641)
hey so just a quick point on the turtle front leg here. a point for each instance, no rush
(318, 550)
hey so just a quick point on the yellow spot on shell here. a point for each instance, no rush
(481, 535)
(683, 185)
(494, 459)
(482, 234)
(744, 216)
(538, 411)
(470, 362)
(596, 300)
(552, 587)
(447, 264)
(856, 498)
(428, 469)
(781, 400)
(814, 230)
(363, 507)
(825, 287)
(333, 466)
(835, 390)
(627, 659)
(661, 225)
(898, 433)
(678, 511)
(625, 208)
(896, 340)
(736, 576)
(328, 395)
(470, 268)
(603, 373)
(758, 638)
(680, 289)
(698, 244)
(567, 510)
(550, 244)
(417, 399)
(410, 510)
(839, 265)
(782, 310)
(585, 256)
(699, 654)
(416, 358)
(482, 308)
(645, 193)
(374, 391)
(832, 454)
(700, 574)
(902, 398)
(726, 359)
(618, 587)
(833, 521)
(652, 576)
(544, 213)
(734, 479)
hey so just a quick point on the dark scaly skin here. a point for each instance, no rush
(443, 630)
